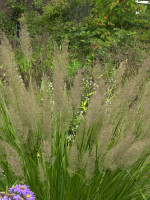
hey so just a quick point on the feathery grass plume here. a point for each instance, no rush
(127, 95)
(46, 111)
(144, 71)
(8, 60)
(25, 108)
(67, 113)
(95, 104)
(137, 119)
(41, 172)
(87, 162)
(62, 102)
(120, 72)
(104, 139)
(143, 108)
(124, 154)
(25, 40)
(13, 159)
(21, 101)
(12, 91)
(64, 58)
(124, 97)
(73, 160)
(133, 153)
(76, 90)
(21, 130)
(93, 117)
(130, 121)
(83, 159)
(46, 150)
(90, 164)
(143, 111)
(58, 82)
(115, 154)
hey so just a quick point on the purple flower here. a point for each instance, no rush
(17, 197)
(12, 189)
(22, 190)
(5, 198)
(30, 196)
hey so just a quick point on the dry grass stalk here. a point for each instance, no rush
(21, 130)
(90, 164)
(115, 154)
(76, 90)
(58, 82)
(64, 58)
(23, 104)
(143, 111)
(126, 96)
(41, 172)
(46, 151)
(62, 101)
(104, 139)
(93, 116)
(46, 112)
(13, 159)
(133, 153)
(25, 41)
(73, 160)
(95, 104)
(120, 72)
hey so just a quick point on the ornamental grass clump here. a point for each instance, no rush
(108, 157)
